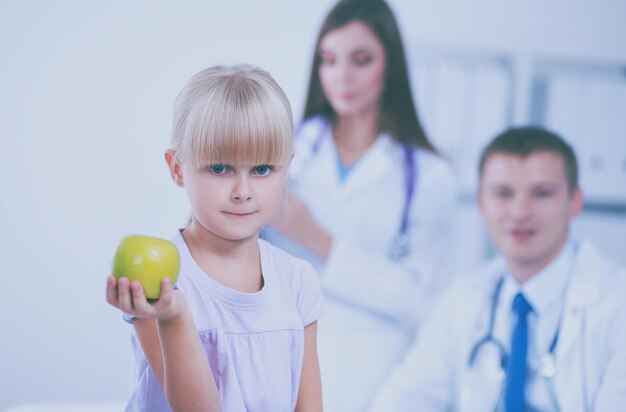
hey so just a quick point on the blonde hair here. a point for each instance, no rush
(232, 114)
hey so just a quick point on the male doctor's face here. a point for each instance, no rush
(527, 206)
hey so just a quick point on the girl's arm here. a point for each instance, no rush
(189, 383)
(168, 337)
(310, 392)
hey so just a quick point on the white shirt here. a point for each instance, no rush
(254, 342)
(545, 292)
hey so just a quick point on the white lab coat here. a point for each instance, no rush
(372, 303)
(590, 356)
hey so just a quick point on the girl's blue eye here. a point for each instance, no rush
(218, 168)
(262, 170)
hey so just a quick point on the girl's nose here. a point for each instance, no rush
(241, 190)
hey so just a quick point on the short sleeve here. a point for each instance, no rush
(310, 302)
(128, 318)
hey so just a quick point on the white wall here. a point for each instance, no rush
(86, 91)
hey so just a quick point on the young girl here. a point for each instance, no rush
(246, 307)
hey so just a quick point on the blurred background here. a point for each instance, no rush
(86, 93)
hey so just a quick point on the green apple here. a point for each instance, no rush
(148, 260)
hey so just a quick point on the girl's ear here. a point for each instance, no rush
(176, 171)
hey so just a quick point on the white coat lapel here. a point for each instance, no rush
(568, 372)
(481, 384)
(584, 290)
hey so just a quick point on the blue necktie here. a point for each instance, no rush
(516, 366)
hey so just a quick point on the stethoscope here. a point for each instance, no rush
(546, 367)
(400, 246)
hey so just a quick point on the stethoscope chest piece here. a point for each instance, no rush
(400, 247)
(546, 367)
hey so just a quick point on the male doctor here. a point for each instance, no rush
(540, 328)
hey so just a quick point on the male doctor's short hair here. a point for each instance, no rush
(524, 141)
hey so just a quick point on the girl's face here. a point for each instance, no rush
(352, 69)
(232, 201)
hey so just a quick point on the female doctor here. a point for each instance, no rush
(372, 202)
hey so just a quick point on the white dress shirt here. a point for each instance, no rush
(545, 291)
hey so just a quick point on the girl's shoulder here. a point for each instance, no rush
(295, 278)
(283, 264)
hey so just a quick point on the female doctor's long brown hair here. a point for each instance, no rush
(398, 115)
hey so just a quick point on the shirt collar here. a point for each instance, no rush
(547, 287)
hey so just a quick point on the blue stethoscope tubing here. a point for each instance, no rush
(489, 338)
(400, 247)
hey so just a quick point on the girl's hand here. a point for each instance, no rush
(129, 298)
